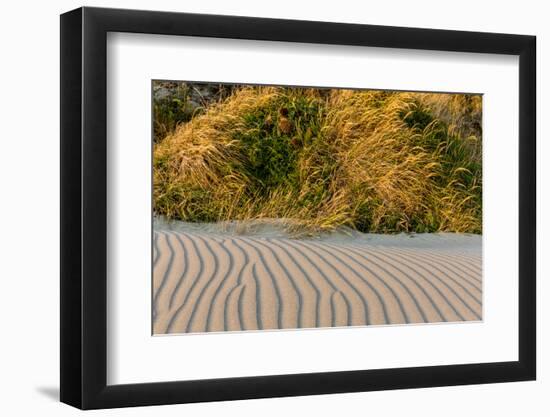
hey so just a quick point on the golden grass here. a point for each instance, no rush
(374, 161)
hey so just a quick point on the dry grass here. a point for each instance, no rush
(374, 161)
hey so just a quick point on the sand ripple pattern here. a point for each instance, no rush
(211, 283)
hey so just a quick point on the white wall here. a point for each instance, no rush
(29, 172)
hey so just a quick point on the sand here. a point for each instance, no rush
(208, 280)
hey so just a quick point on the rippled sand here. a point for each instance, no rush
(207, 280)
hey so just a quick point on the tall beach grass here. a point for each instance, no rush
(375, 161)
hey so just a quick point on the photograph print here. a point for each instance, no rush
(282, 207)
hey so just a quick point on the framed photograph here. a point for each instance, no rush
(256, 208)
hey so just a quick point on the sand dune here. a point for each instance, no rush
(207, 282)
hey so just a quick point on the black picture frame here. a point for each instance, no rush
(84, 207)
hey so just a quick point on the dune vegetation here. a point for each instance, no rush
(375, 161)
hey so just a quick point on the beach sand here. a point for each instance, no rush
(210, 280)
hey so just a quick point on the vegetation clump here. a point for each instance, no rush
(375, 161)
